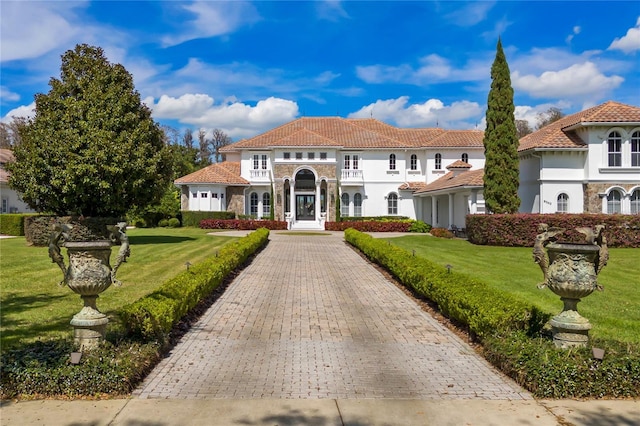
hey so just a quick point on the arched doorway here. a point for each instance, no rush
(305, 195)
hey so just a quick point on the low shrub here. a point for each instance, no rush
(441, 233)
(373, 218)
(370, 226)
(163, 223)
(174, 222)
(419, 227)
(12, 224)
(193, 218)
(242, 224)
(152, 317)
(510, 329)
(520, 230)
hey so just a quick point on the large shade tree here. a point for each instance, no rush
(92, 148)
(501, 171)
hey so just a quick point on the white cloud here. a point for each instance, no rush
(236, 119)
(471, 14)
(630, 42)
(8, 95)
(530, 113)
(578, 80)
(576, 30)
(432, 113)
(432, 68)
(331, 10)
(213, 18)
(31, 29)
(27, 111)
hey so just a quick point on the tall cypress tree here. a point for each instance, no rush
(501, 174)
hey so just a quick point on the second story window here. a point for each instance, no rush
(323, 155)
(287, 155)
(347, 162)
(264, 162)
(298, 156)
(256, 162)
(614, 148)
(465, 157)
(438, 161)
(311, 155)
(635, 149)
(414, 162)
(355, 162)
(392, 162)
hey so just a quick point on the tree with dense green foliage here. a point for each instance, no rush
(92, 148)
(501, 172)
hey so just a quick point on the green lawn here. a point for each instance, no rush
(613, 313)
(33, 306)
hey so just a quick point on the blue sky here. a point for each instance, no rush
(246, 67)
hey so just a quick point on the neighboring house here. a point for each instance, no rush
(11, 201)
(310, 164)
(585, 162)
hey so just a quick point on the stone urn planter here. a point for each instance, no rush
(570, 271)
(88, 274)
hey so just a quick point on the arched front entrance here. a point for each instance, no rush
(305, 191)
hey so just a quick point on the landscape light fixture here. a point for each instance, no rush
(75, 357)
(187, 264)
(598, 353)
(449, 268)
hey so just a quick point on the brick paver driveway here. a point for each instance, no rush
(309, 318)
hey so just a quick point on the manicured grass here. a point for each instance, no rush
(33, 306)
(613, 313)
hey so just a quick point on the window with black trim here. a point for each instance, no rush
(414, 162)
(438, 161)
(323, 155)
(286, 155)
(614, 148)
(392, 162)
(298, 156)
(465, 157)
(311, 155)
(392, 203)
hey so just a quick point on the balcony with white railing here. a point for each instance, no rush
(259, 175)
(352, 177)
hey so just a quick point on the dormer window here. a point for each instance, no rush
(392, 162)
(465, 157)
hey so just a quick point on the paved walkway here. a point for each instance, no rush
(309, 318)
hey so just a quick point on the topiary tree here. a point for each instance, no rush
(501, 171)
(92, 148)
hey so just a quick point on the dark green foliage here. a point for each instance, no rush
(44, 369)
(373, 218)
(152, 317)
(92, 148)
(501, 173)
(551, 373)
(174, 222)
(12, 224)
(193, 218)
(520, 230)
(510, 329)
(419, 227)
(243, 224)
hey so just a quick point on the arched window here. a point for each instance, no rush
(614, 147)
(635, 149)
(563, 203)
(392, 203)
(414, 162)
(253, 205)
(465, 157)
(287, 196)
(344, 204)
(392, 162)
(613, 202)
(266, 204)
(438, 161)
(635, 202)
(357, 204)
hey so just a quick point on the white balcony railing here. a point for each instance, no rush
(260, 174)
(351, 175)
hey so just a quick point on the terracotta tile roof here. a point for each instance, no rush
(227, 173)
(454, 180)
(412, 186)
(560, 134)
(351, 133)
(459, 164)
(6, 156)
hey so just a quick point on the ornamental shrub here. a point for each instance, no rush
(441, 233)
(174, 222)
(12, 224)
(239, 224)
(163, 223)
(193, 218)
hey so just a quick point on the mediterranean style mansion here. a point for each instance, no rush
(588, 162)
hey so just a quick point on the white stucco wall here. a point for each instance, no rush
(11, 201)
(210, 198)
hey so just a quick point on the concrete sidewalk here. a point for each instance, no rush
(311, 334)
(319, 412)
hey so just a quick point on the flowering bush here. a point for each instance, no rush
(520, 230)
(369, 226)
(242, 224)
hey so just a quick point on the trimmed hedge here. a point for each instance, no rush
(407, 225)
(152, 317)
(459, 297)
(193, 218)
(510, 329)
(242, 224)
(12, 224)
(520, 230)
(373, 218)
